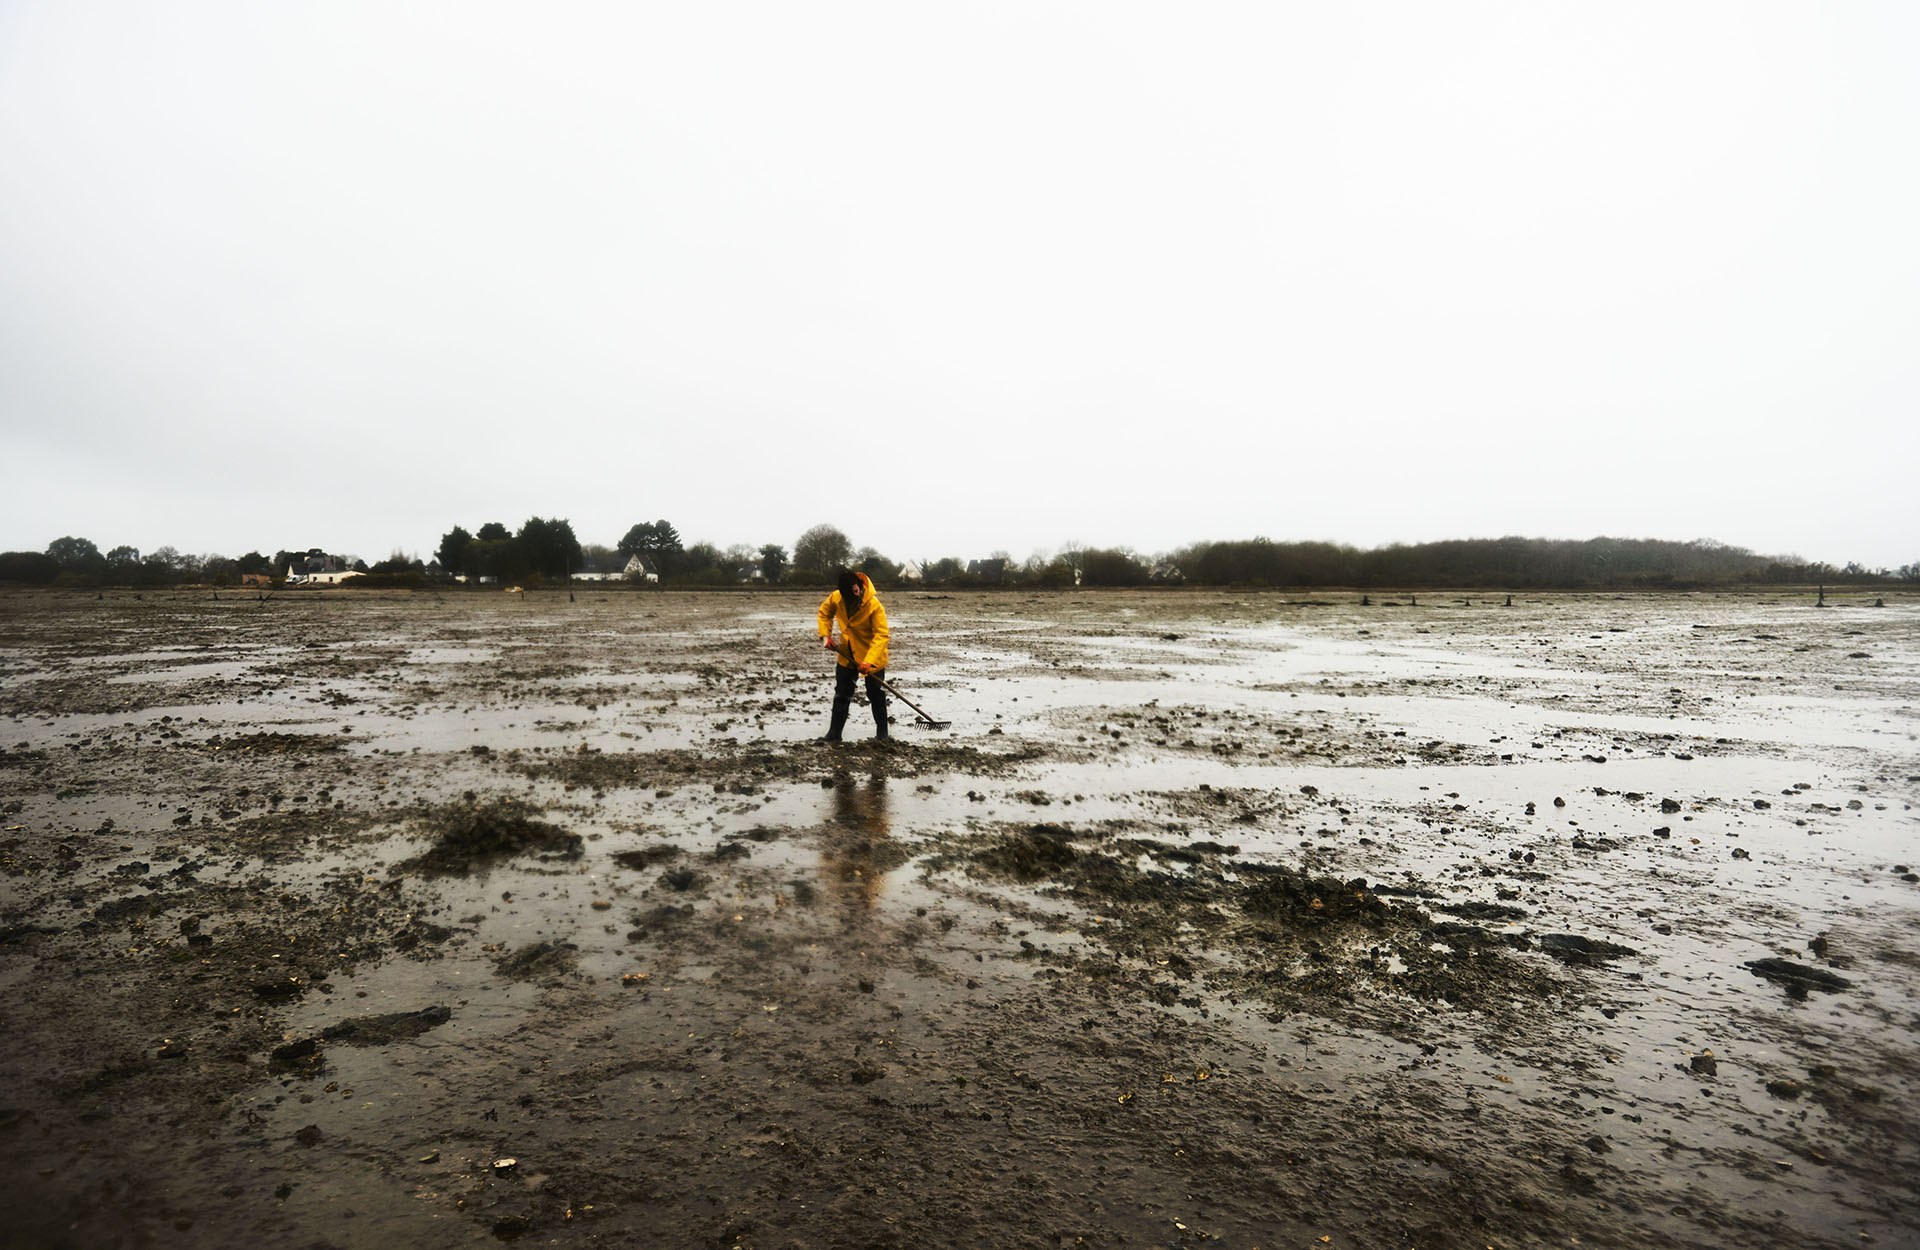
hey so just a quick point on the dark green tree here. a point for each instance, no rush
(398, 562)
(1112, 568)
(773, 563)
(499, 558)
(162, 567)
(821, 550)
(452, 553)
(549, 547)
(493, 532)
(702, 564)
(947, 571)
(28, 568)
(77, 555)
(656, 542)
(883, 571)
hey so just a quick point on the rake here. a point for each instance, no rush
(926, 720)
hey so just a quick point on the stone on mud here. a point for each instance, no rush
(1794, 975)
(382, 1029)
(1576, 949)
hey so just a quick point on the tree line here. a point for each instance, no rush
(545, 550)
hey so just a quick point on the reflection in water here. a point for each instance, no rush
(855, 853)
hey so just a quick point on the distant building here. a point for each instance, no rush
(606, 568)
(317, 568)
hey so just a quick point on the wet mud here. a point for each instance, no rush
(342, 920)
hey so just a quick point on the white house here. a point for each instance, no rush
(316, 568)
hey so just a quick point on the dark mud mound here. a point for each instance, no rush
(539, 961)
(1178, 917)
(474, 833)
(646, 856)
(1028, 854)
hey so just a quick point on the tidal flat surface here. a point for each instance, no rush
(344, 919)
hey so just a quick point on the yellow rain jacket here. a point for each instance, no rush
(863, 633)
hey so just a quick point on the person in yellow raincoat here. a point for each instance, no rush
(862, 648)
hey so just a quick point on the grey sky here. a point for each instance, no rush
(959, 278)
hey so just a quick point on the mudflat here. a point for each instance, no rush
(342, 919)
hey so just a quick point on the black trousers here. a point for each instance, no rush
(843, 679)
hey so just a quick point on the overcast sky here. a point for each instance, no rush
(959, 278)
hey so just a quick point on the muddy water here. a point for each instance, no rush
(1211, 917)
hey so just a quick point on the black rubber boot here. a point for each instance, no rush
(842, 701)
